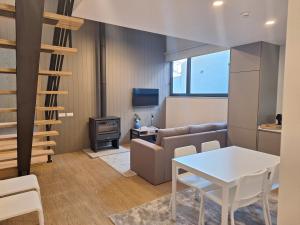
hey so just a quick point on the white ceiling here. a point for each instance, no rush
(195, 20)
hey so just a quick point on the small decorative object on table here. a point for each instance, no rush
(152, 118)
(137, 121)
(145, 133)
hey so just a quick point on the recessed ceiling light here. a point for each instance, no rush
(270, 22)
(218, 3)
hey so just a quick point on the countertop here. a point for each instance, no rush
(269, 130)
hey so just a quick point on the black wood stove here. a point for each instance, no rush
(104, 132)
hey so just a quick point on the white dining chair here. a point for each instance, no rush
(274, 178)
(20, 204)
(273, 184)
(210, 145)
(18, 185)
(19, 196)
(200, 184)
(249, 190)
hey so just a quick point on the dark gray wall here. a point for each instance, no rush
(81, 99)
(7, 59)
(135, 59)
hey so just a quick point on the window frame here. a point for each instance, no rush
(188, 83)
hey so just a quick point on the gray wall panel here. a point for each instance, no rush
(81, 99)
(245, 57)
(243, 99)
(253, 91)
(268, 83)
(135, 59)
(242, 137)
(7, 59)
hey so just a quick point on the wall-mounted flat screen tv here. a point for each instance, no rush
(145, 97)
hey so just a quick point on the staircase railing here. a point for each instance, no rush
(61, 37)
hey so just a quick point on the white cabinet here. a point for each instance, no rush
(269, 142)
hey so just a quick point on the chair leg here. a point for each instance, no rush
(41, 217)
(197, 194)
(266, 212)
(201, 210)
(203, 214)
(232, 217)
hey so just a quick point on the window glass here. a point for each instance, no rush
(179, 76)
(210, 73)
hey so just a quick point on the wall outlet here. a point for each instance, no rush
(70, 114)
(61, 115)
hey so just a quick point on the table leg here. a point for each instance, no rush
(225, 199)
(174, 184)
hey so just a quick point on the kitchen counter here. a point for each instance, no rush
(270, 130)
(269, 140)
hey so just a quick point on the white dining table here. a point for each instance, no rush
(223, 167)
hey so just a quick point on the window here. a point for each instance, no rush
(205, 75)
(179, 76)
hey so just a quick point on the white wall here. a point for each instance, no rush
(289, 193)
(181, 111)
(280, 79)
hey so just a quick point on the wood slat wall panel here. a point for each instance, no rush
(135, 59)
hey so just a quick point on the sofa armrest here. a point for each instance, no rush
(146, 159)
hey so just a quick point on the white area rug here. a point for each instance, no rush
(118, 159)
(120, 162)
(101, 153)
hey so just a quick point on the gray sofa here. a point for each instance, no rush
(153, 161)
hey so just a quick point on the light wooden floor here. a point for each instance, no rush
(77, 190)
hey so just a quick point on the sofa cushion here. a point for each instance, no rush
(169, 132)
(193, 129)
(206, 127)
(220, 126)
